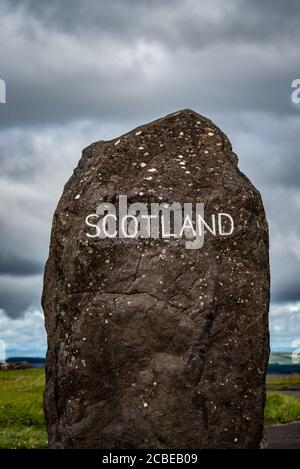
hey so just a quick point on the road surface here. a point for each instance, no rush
(285, 436)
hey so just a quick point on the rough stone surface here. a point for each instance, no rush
(151, 345)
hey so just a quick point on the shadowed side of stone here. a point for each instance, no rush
(150, 344)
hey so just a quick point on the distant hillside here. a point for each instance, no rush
(283, 369)
(34, 362)
(280, 363)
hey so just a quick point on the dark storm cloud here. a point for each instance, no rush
(35, 164)
(269, 147)
(78, 71)
(190, 23)
(16, 266)
(285, 264)
(119, 60)
(288, 292)
(19, 293)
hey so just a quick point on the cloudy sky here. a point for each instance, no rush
(79, 71)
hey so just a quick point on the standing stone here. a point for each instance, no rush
(150, 344)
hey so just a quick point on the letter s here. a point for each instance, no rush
(87, 221)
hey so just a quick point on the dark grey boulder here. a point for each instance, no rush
(150, 344)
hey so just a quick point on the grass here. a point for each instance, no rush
(281, 409)
(21, 409)
(22, 418)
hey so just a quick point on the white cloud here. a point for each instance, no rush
(25, 335)
(284, 324)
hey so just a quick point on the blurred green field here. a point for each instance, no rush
(281, 409)
(284, 382)
(21, 409)
(22, 418)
